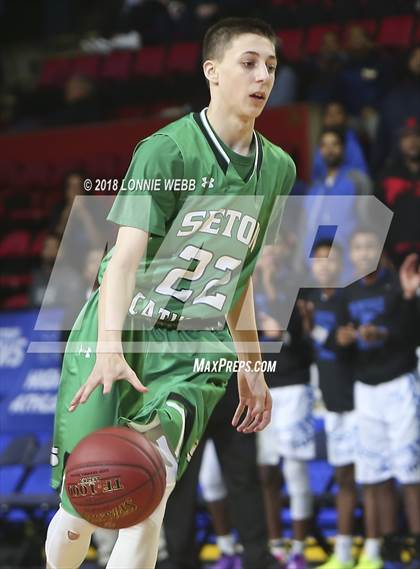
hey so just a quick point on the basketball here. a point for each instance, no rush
(115, 478)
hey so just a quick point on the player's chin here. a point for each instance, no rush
(256, 106)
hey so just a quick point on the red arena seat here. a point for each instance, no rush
(16, 301)
(117, 65)
(87, 65)
(54, 72)
(15, 244)
(417, 33)
(291, 43)
(183, 58)
(396, 31)
(149, 61)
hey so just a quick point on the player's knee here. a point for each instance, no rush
(170, 461)
(269, 476)
(297, 481)
(296, 475)
(344, 476)
(67, 542)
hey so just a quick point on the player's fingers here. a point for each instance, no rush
(79, 397)
(265, 421)
(136, 383)
(246, 421)
(264, 417)
(238, 413)
(76, 399)
(91, 384)
(262, 406)
(107, 388)
(268, 401)
(254, 424)
(258, 407)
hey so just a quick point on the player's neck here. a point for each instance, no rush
(235, 131)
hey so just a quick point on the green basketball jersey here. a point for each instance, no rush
(207, 223)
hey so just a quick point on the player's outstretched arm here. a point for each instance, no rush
(254, 395)
(115, 295)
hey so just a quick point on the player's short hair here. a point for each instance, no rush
(329, 244)
(219, 36)
(338, 132)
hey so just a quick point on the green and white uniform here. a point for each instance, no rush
(207, 210)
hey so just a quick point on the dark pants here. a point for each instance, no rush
(237, 456)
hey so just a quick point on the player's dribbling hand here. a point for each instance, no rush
(108, 369)
(255, 399)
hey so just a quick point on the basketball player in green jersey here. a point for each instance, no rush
(193, 212)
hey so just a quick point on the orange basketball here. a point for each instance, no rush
(115, 478)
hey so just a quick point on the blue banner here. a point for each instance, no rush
(28, 381)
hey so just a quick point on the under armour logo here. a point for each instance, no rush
(207, 182)
(87, 352)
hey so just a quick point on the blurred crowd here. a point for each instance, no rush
(368, 78)
(158, 20)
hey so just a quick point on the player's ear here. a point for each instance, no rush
(210, 71)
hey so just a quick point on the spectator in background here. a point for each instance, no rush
(41, 275)
(205, 14)
(339, 180)
(363, 80)
(399, 189)
(236, 453)
(128, 24)
(380, 320)
(73, 186)
(335, 116)
(400, 104)
(319, 313)
(290, 435)
(85, 230)
(215, 494)
(66, 288)
(90, 270)
(156, 20)
(285, 88)
(323, 70)
(79, 105)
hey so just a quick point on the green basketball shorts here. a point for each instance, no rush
(179, 398)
